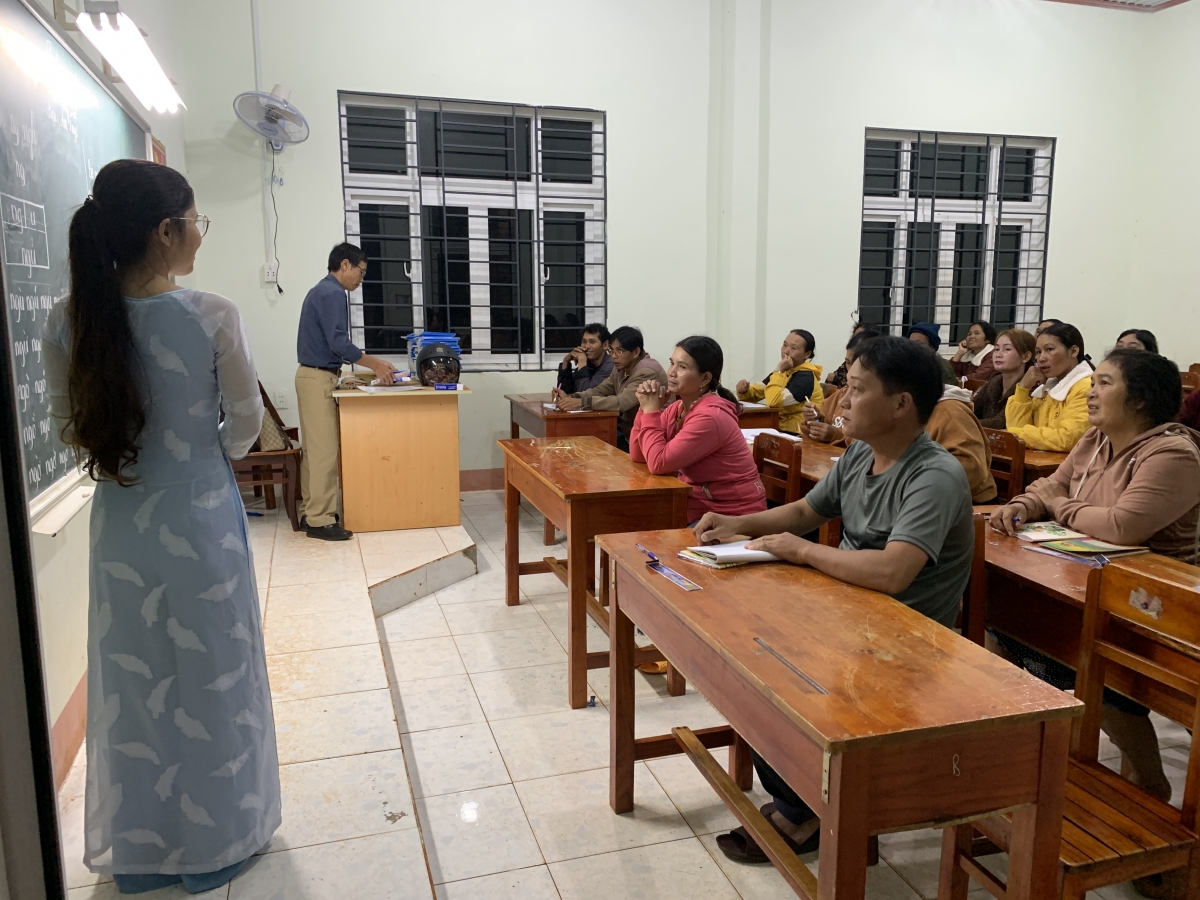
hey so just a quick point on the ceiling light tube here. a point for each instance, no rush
(121, 43)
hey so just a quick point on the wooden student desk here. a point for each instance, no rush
(528, 411)
(586, 487)
(399, 458)
(1039, 599)
(818, 459)
(1041, 463)
(758, 417)
(903, 725)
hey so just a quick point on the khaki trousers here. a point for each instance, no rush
(319, 439)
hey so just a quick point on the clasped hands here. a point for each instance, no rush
(716, 529)
(651, 395)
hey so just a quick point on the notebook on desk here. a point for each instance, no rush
(724, 556)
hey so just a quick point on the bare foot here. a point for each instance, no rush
(798, 833)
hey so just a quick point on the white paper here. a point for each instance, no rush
(734, 552)
(751, 433)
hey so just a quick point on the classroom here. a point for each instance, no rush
(595, 449)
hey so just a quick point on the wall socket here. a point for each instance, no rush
(281, 400)
(271, 271)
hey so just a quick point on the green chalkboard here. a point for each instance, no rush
(58, 126)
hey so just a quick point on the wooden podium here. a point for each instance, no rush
(399, 458)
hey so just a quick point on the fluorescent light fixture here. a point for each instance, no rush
(39, 65)
(122, 45)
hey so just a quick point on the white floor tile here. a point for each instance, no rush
(694, 797)
(320, 631)
(317, 570)
(489, 615)
(341, 725)
(108, 891)
(570, 815)
(322, 597)
(553, 743)
(659, 715)
(679, 869)
(533, 883)
(529, 691)
(476, 833)
(452, 760)
(436, 703)
(381, 867)
(414, 622)
(428, 658)
(320, 673)
(341, 798)
(492, 650)
(489, 584)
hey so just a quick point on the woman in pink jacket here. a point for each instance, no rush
(698, 436)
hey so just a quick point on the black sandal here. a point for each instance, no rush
(739, 846)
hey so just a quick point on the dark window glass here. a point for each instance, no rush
(447, 271)
(566, 150)
(881, 170)
(920, 279)
(1018, 174)
(376, 141)
(387, 286)
(564, 247)
(1007, 277)
(510, 277)
(968, 279)
(876, 259)
(465, 145)
(949, 171)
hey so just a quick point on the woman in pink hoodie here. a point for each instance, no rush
(698, 436)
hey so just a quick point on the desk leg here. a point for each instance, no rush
(605, 579)
(741, 766)
(620, 707)
(516, 430)
(1037, 829)
(548, 534)
(512, 547)
(843, 871)
(578, 568)
(676, 683)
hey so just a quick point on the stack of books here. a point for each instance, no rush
(1074, 544)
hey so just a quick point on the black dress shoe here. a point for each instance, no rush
(331, 532)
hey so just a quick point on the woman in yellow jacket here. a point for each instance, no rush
(1048, 409)
(796, 379)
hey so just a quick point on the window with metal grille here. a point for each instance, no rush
(482, 219)
(954, 230)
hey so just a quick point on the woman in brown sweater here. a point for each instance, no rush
(1014, 354)
(1133, 478)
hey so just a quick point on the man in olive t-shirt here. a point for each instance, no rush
(905, 506)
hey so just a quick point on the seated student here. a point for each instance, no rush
(631, 368)
(1137, 339)
(929, 334)
(1134, 478)
(1048, 408)
(1044, 324)
(838, 378)
(823, 423)
(973, 358)
(588, 364)
(1015, 349)
(1189, 414)
(905, 507)
(697, 436)
(795, 379)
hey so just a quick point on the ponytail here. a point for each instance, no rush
(110, 234)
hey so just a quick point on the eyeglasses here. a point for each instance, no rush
(202, 222)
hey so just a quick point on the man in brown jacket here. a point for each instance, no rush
(631, 366)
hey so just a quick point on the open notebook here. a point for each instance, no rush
(723, 556)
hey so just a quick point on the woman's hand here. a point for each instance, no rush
(962, 351)
(1032, 378)
(713, 528)
(786, 546)
(1050, 492)
(742, 387)
(1006, 519)
(810, 412)
(650, 395)
(784, 364)
(821, 432)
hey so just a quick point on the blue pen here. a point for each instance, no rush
(653, 558)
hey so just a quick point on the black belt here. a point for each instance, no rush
(337, 371)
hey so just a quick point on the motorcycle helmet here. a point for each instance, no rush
(437, 364)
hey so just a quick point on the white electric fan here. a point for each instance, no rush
(271, 116)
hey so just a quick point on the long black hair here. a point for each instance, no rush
(1146, 338)
(709, 358)
(109, 235)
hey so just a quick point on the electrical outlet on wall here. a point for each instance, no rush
(281, 400)
(271, 271)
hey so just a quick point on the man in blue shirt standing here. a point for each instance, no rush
(322, 345)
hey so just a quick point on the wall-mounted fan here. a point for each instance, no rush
(271, 116)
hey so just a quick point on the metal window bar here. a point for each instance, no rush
(955, 229)
(504, 290)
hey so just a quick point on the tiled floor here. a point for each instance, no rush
(465, 699)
